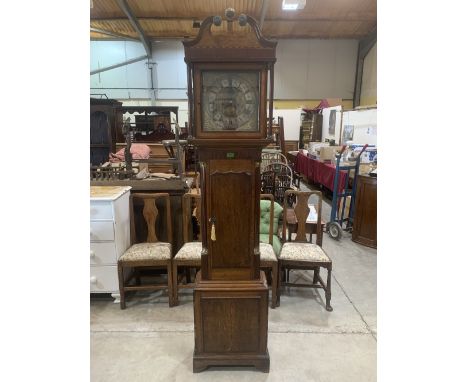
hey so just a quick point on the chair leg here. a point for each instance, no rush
(316, 275)
(278, 286)
(170, 281)
(274, 285)
(121, 285)
(137, 277)
(175, 284)
(188, 278)
(328, 291)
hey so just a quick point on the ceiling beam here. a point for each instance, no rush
(182, 35)
(191, 18)
(105, 69)
(136, 25)
(114, 34)
(263, 11)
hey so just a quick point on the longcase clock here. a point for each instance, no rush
(228, 74)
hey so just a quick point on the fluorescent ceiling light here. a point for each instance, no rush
(293, 5)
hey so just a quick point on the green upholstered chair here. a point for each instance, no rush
(268, 257)
(265, 224)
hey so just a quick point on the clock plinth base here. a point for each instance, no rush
(231, 324)
(261, 362)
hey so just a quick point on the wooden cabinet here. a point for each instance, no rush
(365, 213)
(311, 128)
(317, 121)
(103, 121)
(109, 236)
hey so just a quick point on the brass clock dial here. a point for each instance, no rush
(230, 101)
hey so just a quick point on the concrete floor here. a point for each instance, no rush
(151, 342)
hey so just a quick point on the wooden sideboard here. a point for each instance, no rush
(365, 215)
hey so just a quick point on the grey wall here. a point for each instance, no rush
(305, 69)
(315, 69)
(169, 73)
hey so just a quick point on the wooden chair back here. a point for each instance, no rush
(301, 210)
(272, 157)
(283, 180)
(272, 214)
(150, 215)
(267, 179)
(190, 200)
(282, 171)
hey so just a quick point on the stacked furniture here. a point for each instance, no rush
(150, 125)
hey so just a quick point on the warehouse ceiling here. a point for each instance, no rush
(158, 19)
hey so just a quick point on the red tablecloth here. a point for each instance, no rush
(319, 172)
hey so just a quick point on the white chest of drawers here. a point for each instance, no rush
(110, 236)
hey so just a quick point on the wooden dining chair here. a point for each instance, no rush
(189, 255)
(149, 254)
(268, 259)
(299, 253)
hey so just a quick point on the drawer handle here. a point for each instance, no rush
(92, 254)
(93, 280)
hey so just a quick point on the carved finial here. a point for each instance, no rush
(242, 19)
(230, 13)
(217, 20)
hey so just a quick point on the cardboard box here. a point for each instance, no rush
(327, 152)
(346, 207)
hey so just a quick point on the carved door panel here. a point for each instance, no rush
(231, 209)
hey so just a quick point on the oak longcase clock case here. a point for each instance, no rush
(228, 75)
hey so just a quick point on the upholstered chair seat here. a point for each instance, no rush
(147, 251)
(267, 253)
(303, 252)
(190, 251)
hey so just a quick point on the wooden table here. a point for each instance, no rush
(311, 228)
